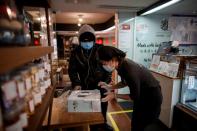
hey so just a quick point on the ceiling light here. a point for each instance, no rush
(157, 6)
(80, 19)
(79, 24)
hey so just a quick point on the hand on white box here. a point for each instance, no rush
(77, 88)
(105, 85)
(110, 96)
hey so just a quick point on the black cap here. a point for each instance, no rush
(87, 36)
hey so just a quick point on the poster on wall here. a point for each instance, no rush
(184, 29)
(125, 35)
(150, 32)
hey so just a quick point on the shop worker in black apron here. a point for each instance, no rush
(85, 69)
(144, 88)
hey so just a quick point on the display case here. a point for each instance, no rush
(189, 85)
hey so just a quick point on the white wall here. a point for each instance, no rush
(148, 36)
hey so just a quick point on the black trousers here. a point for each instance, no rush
(146, 110)
(104, 105)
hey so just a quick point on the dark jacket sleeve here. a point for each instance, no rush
(132, 78)
(108, 78)
(72, 70)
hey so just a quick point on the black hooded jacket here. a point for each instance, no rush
(87, 71)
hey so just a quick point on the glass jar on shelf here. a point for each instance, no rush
(35, 85)
(10, 104)
(189, 85)
(22, 104)
(30, 107)
(47, 77)
(41, 78)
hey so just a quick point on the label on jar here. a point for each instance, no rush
(9, 89)
(41, 73)
(48, 83)
(28, 83)
(31, 106)
(23, 119)
(21, 89)
(43, 90)
(45, 84)
(47, 66)
(37, 98)
(37, 77)
(14, 127)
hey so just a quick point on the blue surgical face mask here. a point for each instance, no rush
(108, 68)
(87, 45)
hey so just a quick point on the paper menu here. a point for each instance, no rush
(155, 62)
(173, 69)
(191, 82)
(163, 67)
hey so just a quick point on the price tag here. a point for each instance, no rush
(28, 83)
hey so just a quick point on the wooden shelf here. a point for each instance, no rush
(35, 121)
(187, 110)
(13, 57)
(165, 75)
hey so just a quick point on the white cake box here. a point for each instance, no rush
(84, 101)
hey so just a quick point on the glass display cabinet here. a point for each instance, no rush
(189, 85)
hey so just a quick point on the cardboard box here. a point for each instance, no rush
(84, 101)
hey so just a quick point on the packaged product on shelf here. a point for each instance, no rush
(35, 85)
(10, 105)
(47, 78)
(30, 107)
(22, 94)
(41, 78)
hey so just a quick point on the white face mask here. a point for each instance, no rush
(108, 68)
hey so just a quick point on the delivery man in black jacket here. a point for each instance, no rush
(85, 69)
(144, 88)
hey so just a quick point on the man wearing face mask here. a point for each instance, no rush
(85, 69)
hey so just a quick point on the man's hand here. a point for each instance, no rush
(105, 85)
(77, 88)
(110, 96)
